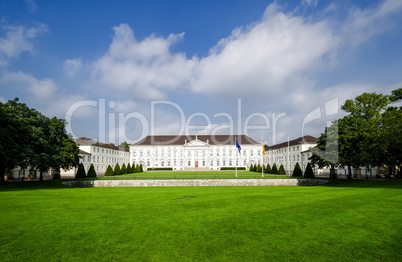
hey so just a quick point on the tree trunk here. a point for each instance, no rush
(2, 173)
(349, 172)
(41, 175)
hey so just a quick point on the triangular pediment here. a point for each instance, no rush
(195, 143)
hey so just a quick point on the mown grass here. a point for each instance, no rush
(344, 221)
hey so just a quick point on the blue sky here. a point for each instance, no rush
(119, 70)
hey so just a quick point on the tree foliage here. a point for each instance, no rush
(117, 170)
(368, 136)
(91, 171)
(281, 170)
(30, 139)
(297, 171)
(123, 169)
(80, 172)
(274, 169)
(309, 173)
(109, 171)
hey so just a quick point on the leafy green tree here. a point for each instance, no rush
(91, 171)
(133, 168)
(124, 145)
(309, 173)
(326, 153)
(123, 169)
(29, 138)
(141, 168)
(80, 172)
(281, 170)
(117, 170)
(109, 171)
(274, 169)
(297, 170)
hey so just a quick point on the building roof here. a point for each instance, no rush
(297, 141)
(84, 141)
(210, 139)
(82, 152)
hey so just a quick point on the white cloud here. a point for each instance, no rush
(43, 94)
(143, 69)
(310, 2)
(18, 39)
(72, 66)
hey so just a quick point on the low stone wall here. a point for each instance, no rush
(196, 182)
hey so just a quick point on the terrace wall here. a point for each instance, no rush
(196, 182)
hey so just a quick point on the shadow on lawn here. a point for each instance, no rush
(381, 183)
(32, 185)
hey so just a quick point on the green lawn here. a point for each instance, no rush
(343, 221)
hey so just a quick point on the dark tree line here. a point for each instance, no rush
(370, 135)
(30, 139)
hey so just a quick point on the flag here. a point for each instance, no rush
(238, 145)
(263, 149)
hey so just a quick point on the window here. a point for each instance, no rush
(189, 163)
(103, 150)
(297, 148)
(89, 158)
(297, 157)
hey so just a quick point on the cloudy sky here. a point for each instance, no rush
(120, 70)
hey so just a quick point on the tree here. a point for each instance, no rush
(123, 169)
(109, 171)
(297, 170)
(281, 170)
(133, 168)
(129, 170)
(258, 168)
(29, 138)
(124, 145)
(141, 168)
(309, 173)
(91, 171)
(117, 170)
(274, 169)
(268, 169)
(80, 172)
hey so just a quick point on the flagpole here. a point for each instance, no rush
(262, 157)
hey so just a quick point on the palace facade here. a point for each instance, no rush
(195, 152)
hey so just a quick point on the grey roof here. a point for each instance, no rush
(210, 139)
(88, 141)
(297, 141)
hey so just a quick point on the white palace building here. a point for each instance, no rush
(195, 152)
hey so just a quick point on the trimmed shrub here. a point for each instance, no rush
(252, 168)
(129, 170)
(137, 168)
(162, 169)
(123, 169)
(141, 169)
(91, 171)
(268, 169)
(297, 170)
(81, 172)
(281, 170)
(109, 171)
(274, 169)
(309, 173)
(117, 170)
(258, 168)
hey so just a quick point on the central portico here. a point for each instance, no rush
(195, 152)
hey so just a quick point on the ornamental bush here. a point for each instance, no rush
(117, 170)
(268, 169)
(309, 173)
(274, 169)
(281, 170)
(81, 172)
(258, 168)
(123, 169)
(91, 171)
(141, 169)
(109, 171)
(129, 170)
(297, 170)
